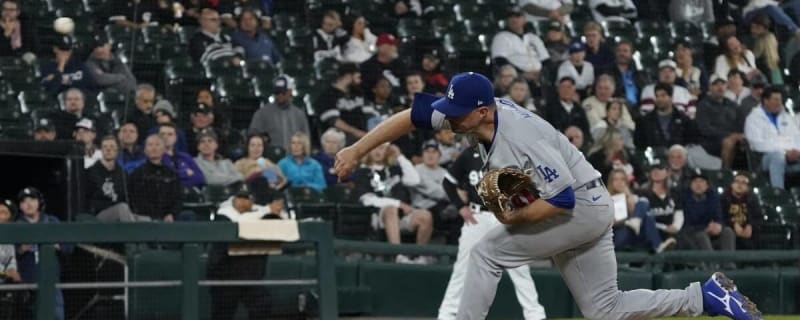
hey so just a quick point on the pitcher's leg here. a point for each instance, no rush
(590, 272)
(470, 234)
(526, 292)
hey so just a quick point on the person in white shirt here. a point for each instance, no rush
(596, 105)
(736, 91)
(540, 10)
(735, 56)
(616, 10)
(525, 51)
(576, 68)
(361, 45)
(771, 130)
(681, 97)
(85, 133)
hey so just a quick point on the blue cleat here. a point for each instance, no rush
(721, 297)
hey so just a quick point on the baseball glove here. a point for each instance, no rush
(503, 190)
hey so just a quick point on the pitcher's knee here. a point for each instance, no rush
(483, 251)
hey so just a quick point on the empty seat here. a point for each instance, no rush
(32, 100)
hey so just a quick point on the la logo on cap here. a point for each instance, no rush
(450, 94)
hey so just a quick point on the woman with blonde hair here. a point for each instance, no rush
(254, 165)
(765, 49)
(595, 106)
(505, 75)
(609, 153)
(299, 167)
(735, 56)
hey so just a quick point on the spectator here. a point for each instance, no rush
(67, 71)
(576, 68)
(756, 89)
(341, 106)
(435, 80)
(609, 153)
(637, 228)
(449, 148)
(8, 260)
(106, 194)
(142, 115)
(222, 265)
(556, 42)
(598, 53)
(740, 209)
(613, 121)
(629, 80)
(85, 134)
(31, 205)
(383, 63)
(221, 120)
(182, 163)
(520, 94)
(140, 14)
(413, 84)
(330, 38)
(44, 130)
(664, 207)
(613, 10)
(538, 10)
(164, 113)
(210, 44)
(681, 97)
(429, 193)
(735, 56)
(765, 49)
(255, 166)
(382, 102)
(736, 90)
(257, 44)
(770, 8)
(575, 137)
(19, 35)
(566, 112)
(280, 118)
(155, 189)
(771, 131)
(665, 126)
(299, 167)
(384, 169)
(596, 105)
(108, 71)
(72, 111)
(704, 222)
(524, 50)
(361, 45)
(692, 11)
(131, 155)
(678, 172)
(505, 75)
(331, 141)
(408, 8)
(687, 72)
(719, 123)
(217, 170)
(202, 118)
(230, 10)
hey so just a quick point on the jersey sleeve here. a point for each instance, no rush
(550, 172)
(423, 116)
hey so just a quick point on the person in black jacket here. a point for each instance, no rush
(67, 71)
(720, 123)
(666, 126)
(566, 111)
(105, 189)
(143, 116)
(741, 209)
(19, 36)
(155, 190)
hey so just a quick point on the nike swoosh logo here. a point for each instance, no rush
(595, 198)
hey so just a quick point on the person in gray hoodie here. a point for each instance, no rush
(107, 70)
(695, 11)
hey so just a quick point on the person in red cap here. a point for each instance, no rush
(384, 63)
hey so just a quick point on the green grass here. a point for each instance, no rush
(793, 317)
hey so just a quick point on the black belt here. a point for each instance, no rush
(591, 184)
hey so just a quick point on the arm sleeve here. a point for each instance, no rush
(551, 174)
(372, 200)
(565, 199)
(318, 180)
(102, 78)
(53, 84)
(541, 50)
(716, 209)
(451, 189)
(677, 220)
(423, 115)
(410, 176)
(752, 132)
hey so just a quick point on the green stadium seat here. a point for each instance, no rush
(325, 211)
(300, 38)
(16, 130)
(473, 11)
(285, 21)
(480, 26)
(682, 28)
(326, 70)
(32, 100)
(645, 28)
(774, 196)
(260, 69)
(274, 153)
(119, 34)
(305, 195)
(615, 28)
(341, 194)
(719, 178)
(353, 222)
(223, 68)
(443, 26)
(262, 86)
(466, 52)
(185, 33)
(775, 236)
(216, 194)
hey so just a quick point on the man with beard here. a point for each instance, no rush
(341, 105)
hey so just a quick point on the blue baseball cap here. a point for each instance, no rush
(465, 92)
(576, 46)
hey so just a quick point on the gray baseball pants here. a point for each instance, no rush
(581, 246)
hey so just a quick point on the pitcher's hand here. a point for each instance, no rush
(346, 162)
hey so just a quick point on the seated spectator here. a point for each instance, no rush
(8, 260)
(613, 10)
(609, 153)
(678, 172)
(382, 103)
(44, 130)
(754, 8)
(182, 163)
(596, 105)
(31, 206)
(155, 189)
(765, 49)
(210, 44)
(361, 45)
(598, 53)
(736, 90)
(704, 228)
(681, 97)
(255, 166)
(664, 126)
(142, 115)
(687, 72)
(505, 75)
(164, 113)
(735, 56)
(613, 121)
(108, 71)
(757, 86)
(576, 68)
(257, 44)
(230, 10)
(299, 167)
(538, 10)
(331, 141)
(140, 14)
(384, 63)
(221, 120)
(384, 169)
(72, 110)
(435, 80)
(217, 170)
(719, 123)
(279, 118)
(770, 130)
(692, 11)
(519, 93)
(329, 38)
(429, 194)
(85, 134)
(66, 71)
(557, 42)
(131, 155)
(665, 206)
(449, 148)
(524, 50)
(341, 107)
(202, 118)
(628, 78)
(105, 190)
(637, 228)
(565, 111)
(742, 211)
(413, 84)
(19, 35)
(575, 137)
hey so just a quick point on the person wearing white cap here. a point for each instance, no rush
(577, 68)
(682, 99)
(85, 133)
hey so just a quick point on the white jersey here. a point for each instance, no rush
(525, 140)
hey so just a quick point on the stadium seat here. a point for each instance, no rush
(480, 26)
(682, 28)
(274, 153)
(32, 100)
(340, 194)
(185, 33)
(223, 68)
(307, 210)
(473, 11)
(262, 86)
(216, 194)
(260, 69)
(353, 222)
(617, 28)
